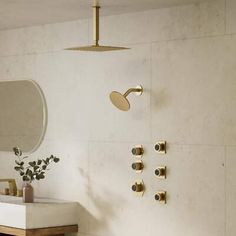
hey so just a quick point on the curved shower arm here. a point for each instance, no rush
(132, 90)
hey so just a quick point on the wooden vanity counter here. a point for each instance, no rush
(54, 231)
(40, 218)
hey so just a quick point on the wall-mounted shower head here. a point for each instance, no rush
(120, 100)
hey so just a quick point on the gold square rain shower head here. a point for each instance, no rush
(96, 47)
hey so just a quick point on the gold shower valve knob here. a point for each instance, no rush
(160, 172)
(138, 188)
(161, 197)
(137, 166)
(160, 147)
(137, 150)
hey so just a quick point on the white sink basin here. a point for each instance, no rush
(40, 214)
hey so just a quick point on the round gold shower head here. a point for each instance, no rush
(120, 100)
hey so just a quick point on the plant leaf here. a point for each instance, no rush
(17, 151)
(44, 167)
(36, 168)
(56, 159)
(39, 162)
(41, 176)
(29, 172)
(17, 162)
(45, 162)
(17, 168)
(32, 163)
(25, 178)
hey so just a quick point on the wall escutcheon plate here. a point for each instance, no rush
(141, 90)
(160, 147)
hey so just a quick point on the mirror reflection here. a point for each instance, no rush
(23, 115)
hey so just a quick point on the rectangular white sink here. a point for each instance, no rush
(42, 213)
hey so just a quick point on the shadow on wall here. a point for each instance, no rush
(106, 211)
(102, 209)
(97, 213)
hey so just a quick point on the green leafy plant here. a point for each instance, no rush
(33, 170)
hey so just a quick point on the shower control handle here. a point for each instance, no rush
(137, 166)
(137, 151)
(160, 172)
(138, 187)
(161, 197)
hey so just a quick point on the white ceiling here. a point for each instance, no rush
(21, 13)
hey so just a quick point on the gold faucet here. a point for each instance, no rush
(12, 186)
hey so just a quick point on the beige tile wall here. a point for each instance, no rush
(185, 58)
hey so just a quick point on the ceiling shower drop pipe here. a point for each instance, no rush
(96, 25)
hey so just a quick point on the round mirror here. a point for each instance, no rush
(23, 115)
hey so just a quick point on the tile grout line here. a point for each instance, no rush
(146, 142)
(88, 188)
(225, 17)
(128, 44)
(151, 94)
(225, 188)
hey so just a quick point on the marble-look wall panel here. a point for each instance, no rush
(230, 16)
(194, 180)
(55, 72)
(17, 67)
(193, 91)
(193, 20)
(45, 38)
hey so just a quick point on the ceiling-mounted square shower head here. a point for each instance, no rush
(96, 47)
